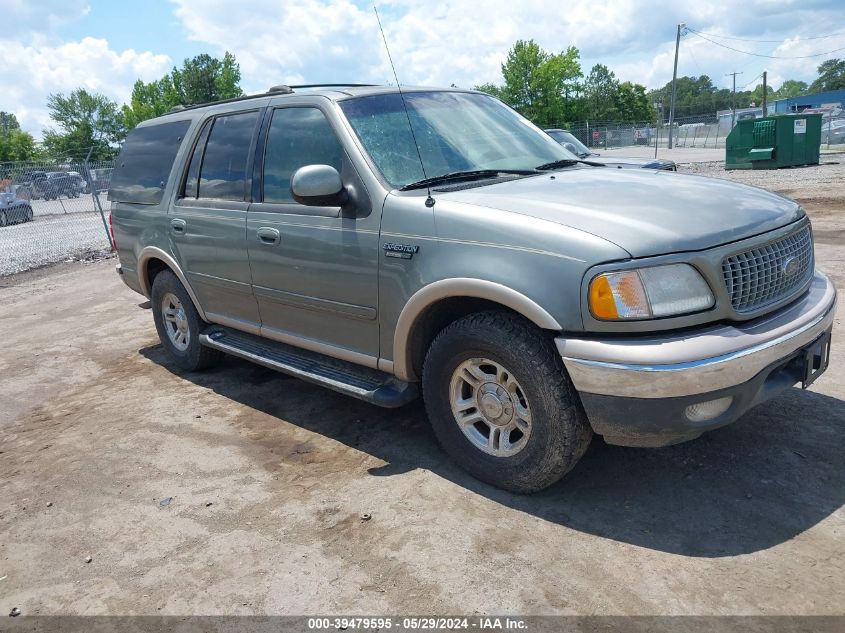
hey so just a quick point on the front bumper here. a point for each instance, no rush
(635, 390)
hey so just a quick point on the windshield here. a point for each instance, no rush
(455, 131)
(561, 136)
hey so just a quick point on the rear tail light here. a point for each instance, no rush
(111, 233)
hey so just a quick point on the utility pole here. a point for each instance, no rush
(733, 99)
(674, 82)
(765, 94)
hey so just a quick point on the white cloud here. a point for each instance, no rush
(30, 72)
(465, 42)
(433, 42)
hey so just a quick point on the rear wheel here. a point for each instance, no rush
(501, 404)
(179, 324)
(4, 220)
(28, 215)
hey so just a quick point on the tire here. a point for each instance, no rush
(4, 220)
(531, 383)
(179, 331)
(27, 216)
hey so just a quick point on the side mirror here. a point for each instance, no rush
(318, 186)
(571, 148)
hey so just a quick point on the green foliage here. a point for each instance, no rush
(537, 83)
(757, 94)
(632, 103)
(550, 89)
(791, 88)
(831, 76)
(698, 95)
(15, 144)
(85, 121)
(202, 79)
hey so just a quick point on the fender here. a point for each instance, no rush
(151, 252)
(460, 287)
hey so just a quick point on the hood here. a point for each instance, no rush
(649, 163)
(643, 211)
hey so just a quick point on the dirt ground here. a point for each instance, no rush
(268, 477)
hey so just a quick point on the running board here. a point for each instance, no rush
(369, 385)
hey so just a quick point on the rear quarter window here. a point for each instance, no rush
(143, 167)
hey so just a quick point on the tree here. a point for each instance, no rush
(537, 83)
(831, 76)
(600, 88)
(15, 144)
(632, 103)
(85, 121)
(791, 88)
(202, 79)
(757, 95)
(490, 89)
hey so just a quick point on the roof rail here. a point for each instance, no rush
(275, 90)
(333, 86)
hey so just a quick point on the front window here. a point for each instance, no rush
(455, 132)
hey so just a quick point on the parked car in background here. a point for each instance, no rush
(79, 182)
(34, 185)
(833, 132)
(571, 143)
(13, 210)
(64, 184)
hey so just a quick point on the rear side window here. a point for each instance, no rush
(143, 167)
(297, 137)
(223, 171)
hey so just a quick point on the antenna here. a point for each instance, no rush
(429, 202)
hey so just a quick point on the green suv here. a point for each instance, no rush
(387, 244)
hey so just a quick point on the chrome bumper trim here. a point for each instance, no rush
(706, 360)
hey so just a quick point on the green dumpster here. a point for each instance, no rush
(776, 141)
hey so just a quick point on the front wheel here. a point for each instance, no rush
(179, 324)
(4, 220)
(501, 404)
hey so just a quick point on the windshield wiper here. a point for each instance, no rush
(567, 162)
(457, 176)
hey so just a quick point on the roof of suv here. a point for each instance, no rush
(335, 92)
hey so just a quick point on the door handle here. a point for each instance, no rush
(269, 236)
(178, 226)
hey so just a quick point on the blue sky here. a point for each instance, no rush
(57, 45)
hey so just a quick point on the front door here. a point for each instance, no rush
(208, 221)
(314, 269)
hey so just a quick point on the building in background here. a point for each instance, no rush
(829, 104)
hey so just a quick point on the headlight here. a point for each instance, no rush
(649, 293)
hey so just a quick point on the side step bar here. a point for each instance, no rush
(369, 385)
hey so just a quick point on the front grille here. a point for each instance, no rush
(768, 273)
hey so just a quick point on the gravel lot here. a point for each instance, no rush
(62, 229)
(268, 478)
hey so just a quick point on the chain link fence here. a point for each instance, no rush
(705, 131)
(52, 211)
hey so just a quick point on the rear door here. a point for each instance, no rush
(207, 225)
(314, 269)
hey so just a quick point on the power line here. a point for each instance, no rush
(743, 39)
(737, 50)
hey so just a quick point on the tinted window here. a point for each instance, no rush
(297, 137)
(223, 171)
(145, 161)
(192, 179)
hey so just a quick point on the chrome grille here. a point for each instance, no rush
(768, 273)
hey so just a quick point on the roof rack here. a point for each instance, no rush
(282, 89)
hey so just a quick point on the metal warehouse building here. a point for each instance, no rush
(830, 99)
